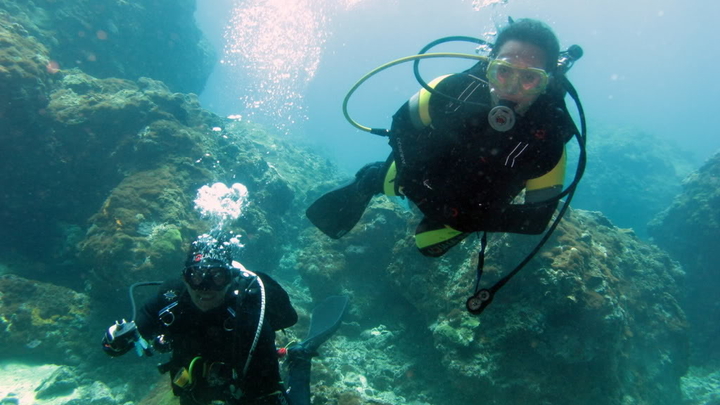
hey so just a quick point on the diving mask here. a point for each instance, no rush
(512, 79)
(207, 278)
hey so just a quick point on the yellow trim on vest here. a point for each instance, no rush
(389, 183)
(430, 238)
(555, 177)
(423, 102)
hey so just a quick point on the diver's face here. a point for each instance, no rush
(522, 55)
(206, 300)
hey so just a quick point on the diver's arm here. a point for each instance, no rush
(148, 316)
(418, 109)
(147, 320)
(519, 218)
(549, 184)
(524, 218)
(122, 336)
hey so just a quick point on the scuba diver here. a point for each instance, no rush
(219, 322)
(467, 144)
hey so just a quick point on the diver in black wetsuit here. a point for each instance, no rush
(220, 323)
(464, 151)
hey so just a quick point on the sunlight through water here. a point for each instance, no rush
(479, 4)
(279, 45)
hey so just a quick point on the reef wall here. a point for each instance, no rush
(594, 319)
(690, 229)
(125, 39)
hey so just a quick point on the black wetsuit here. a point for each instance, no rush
(222, 337)
(462, 173)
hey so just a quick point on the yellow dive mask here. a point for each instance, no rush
(511, 79)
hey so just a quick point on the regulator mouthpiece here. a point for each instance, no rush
(502, 116)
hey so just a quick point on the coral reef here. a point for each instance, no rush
(119, 38)
(701, 386)
(593, 320)
(119, 154)
(372, 366)
(689, 229)
(42, 322)
(331, 267)
(24, 77)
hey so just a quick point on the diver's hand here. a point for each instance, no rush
(120, 338)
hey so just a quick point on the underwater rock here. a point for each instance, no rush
(25, 76)
(331, 266)
(594, 319)
(97, 393)
(144, 226)
(63, 387)
(701, 386)
(62, 382)
(126, 39)
(93, 133)
(42, 322)
(160, 394)
(369, 370)
(127, 154)
(20, 380)
(148, 220)
(689, 230)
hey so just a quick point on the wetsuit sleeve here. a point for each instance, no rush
(547, 185)
(145, 323)
(147, 319)
(280, 312)
(523, 218)
(514, 218)
(418, 107)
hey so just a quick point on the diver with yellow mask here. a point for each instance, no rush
(467, 144)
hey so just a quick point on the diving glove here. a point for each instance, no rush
(120, 338)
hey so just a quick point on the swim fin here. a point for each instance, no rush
(434, 239)
(337, 212)
(326, 319)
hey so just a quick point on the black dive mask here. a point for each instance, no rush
(207, 278)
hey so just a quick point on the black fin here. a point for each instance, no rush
(326, 319)
(337, 212)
